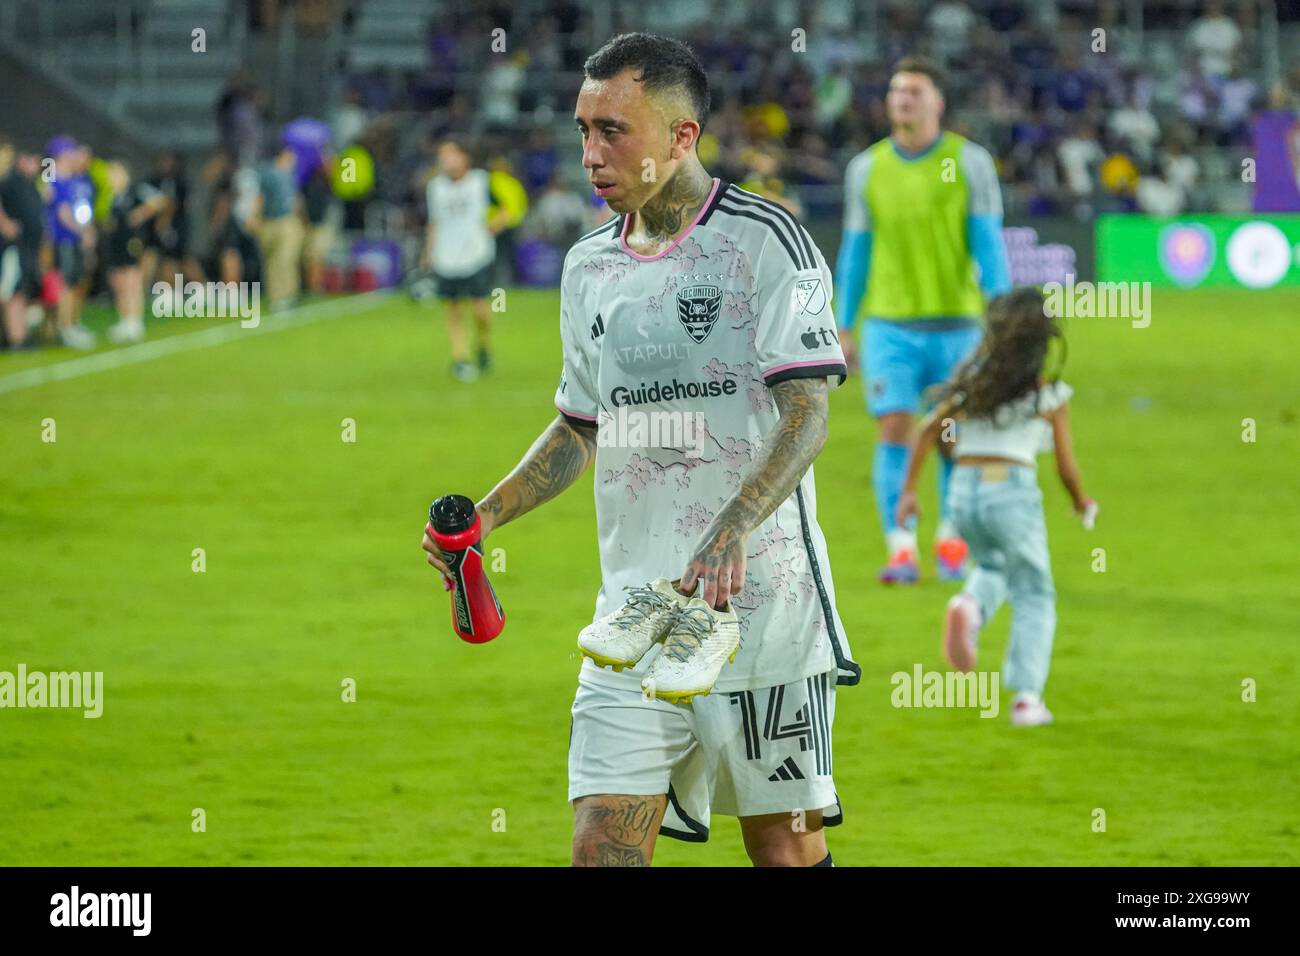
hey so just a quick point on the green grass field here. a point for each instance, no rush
(223, 689)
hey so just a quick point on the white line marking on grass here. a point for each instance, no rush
(186, 342)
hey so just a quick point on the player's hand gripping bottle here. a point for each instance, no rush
(454, 525)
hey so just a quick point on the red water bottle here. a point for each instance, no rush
(454, 525)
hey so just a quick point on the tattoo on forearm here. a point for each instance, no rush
(555, 461)
(790, 449)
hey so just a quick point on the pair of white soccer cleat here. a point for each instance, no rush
(697, 640)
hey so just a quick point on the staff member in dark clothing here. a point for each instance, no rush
(167, 238)
(135, 205)
(319, 207)
(22, 228)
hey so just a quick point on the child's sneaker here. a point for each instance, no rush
(950, 559)
(464, 372)
(620, 639)
(701, 641)
(961, 626)
(1028, 710)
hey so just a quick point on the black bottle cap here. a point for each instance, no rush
(452, 514)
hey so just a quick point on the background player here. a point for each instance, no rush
(134, 206)
(921, 208)
(713, 294)
(1005, 406)
(69, 211)
(459, 247)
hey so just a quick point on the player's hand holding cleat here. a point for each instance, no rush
(701, 640)
(620, 639)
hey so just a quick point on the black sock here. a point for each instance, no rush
(825, 862)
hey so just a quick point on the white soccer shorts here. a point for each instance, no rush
(738, 753)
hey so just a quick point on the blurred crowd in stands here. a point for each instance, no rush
(1080, 117)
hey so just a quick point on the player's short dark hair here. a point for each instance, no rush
(664, 64)
(923, 65)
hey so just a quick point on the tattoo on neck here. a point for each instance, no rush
(677, 203)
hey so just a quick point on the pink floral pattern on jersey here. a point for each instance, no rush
(774, 542)
(733, 260)
(737, 308)
(686, 256)
(609, 268)
(641, 471)
(759, 395)
(717, 370)
(737, 454)
(786, 575)
(693, 520)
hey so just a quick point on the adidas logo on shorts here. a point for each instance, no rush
(789, 770)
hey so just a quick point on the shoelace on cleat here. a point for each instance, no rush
(691, 626)
(641, 603)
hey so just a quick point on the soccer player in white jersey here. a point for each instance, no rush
(702, 299)
(460, 248)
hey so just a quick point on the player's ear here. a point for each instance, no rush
(686, 133)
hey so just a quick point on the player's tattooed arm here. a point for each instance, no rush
(556, 459)
(719, 560)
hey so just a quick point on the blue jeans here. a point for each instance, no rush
(998, 510)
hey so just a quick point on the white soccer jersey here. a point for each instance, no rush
(702, 331)
(458, 210)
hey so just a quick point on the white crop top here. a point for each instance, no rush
(1015, 430)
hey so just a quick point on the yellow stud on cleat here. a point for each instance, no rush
(607, 662)
(680, 696)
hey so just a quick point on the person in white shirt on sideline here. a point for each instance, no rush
(460, 248)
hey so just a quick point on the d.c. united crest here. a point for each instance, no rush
(697, 307)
